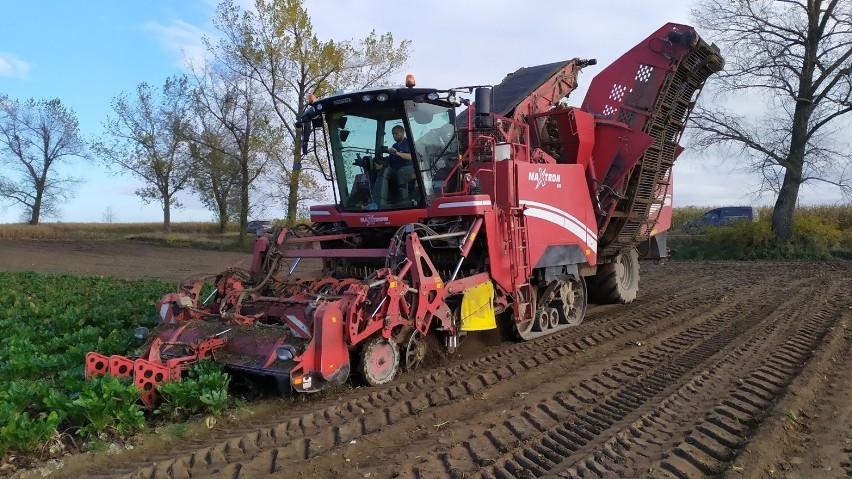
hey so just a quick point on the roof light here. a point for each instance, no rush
(432, 96)
(409, 80)
(382, 97)
(311, 98)
(366, 97)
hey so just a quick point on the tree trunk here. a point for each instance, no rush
(36, 212)
(35, 217)
(782, 214)
(295, 174)
(244, 197)
(167, 214)
(293, 196)
(223, 215)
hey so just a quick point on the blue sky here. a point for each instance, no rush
(87, 52)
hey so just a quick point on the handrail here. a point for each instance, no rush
(468, 181)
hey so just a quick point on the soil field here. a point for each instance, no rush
(728, 369)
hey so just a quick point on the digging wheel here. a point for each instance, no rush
(379, 361)
(415, 351)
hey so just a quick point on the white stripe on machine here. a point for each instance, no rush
(464, 204)
(564, 214)
(563, 223)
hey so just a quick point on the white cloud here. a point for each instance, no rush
(700, 183)
(12, 66)
(181, 39)
(473, 43)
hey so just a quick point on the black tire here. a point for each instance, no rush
(616, 282)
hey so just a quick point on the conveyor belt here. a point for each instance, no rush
(638, 214)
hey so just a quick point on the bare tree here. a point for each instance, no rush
(795, 55)
(109, 215)
(36, 137)
(147, 138)
(275, 44)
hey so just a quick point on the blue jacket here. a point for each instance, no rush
(397, 162)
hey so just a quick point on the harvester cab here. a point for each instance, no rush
(389, 149)
(509, 216)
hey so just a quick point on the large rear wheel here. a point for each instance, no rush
(616, 282)
(379, 361)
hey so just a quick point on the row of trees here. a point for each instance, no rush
(216, 130)
(230, 121)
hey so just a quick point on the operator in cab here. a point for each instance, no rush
(399, 165)
(400, 161)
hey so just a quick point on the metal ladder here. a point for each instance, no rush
(519, 263)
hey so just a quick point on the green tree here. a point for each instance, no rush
(236, 112)
(217, 175)
(36, 137)
(795, 55)
(147, 138)
(276, 45)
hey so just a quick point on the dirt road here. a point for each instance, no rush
(732, 369)
(121, 259)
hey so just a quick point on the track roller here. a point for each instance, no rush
(562, 304)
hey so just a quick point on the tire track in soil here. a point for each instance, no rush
(808, 428)
(705, 451)
(562, 427)
(304, 436)
(301, 429)
(696, 413)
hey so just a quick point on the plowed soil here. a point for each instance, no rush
(728, 369)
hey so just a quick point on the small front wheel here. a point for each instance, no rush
(379, 361)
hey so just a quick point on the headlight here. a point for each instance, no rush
(366, 97)
(432, 96)
(141, 333)
(319, 106)
(285, 352)
(382, 97)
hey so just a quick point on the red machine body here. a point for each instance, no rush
(510, 215)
